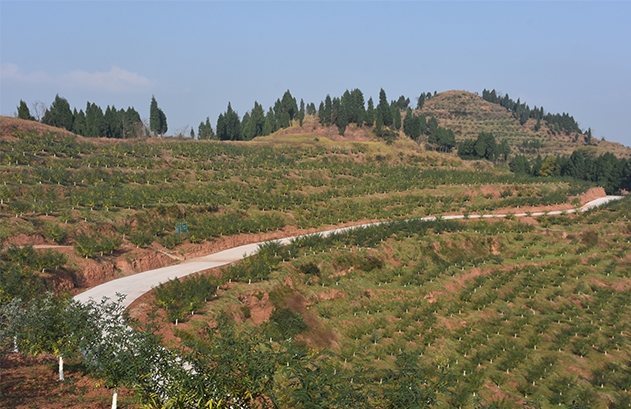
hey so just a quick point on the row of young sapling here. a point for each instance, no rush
(513, 339)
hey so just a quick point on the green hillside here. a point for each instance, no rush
(380, 317)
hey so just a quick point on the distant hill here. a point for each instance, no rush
(467, 114)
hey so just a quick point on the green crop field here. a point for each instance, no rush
(479, 314)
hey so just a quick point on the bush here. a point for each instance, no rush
(310, 268)
(287, 323)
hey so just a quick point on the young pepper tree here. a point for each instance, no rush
(115, 352)
(52, 324)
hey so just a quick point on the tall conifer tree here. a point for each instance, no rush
(384, 109)
(23, 111)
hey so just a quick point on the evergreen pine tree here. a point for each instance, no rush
(358, 107)
(446, 139)
(23, 112)
(247, 127)
(403, 102)
(420, 101)
(342, 119)
(229, 125)
(379, 124)
(132, 124)
(384, 109)
(205, 130)
(154, 116)
(163, 123)
(78, 125)
(335, 110)
(328, 110)
(311, 109)
(112, 123)
(411, 125)
(270, 125)
(59, 114)
(301, 112)
(369, 119)
(94, 121)
(503, 150)
(396, 116)
(322, 114)
(289, 105)
(519, 165)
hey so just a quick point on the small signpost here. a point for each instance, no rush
(181, 228)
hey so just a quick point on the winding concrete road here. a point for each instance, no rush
(136, 285)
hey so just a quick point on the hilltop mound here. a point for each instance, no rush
(467, 114)
(9, 125)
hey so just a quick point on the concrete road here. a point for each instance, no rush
(136, 285)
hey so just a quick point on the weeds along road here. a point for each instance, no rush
(136, 285)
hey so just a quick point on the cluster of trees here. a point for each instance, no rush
(256, 122)
(112, 124)
(484, 147)
(348, 109)
(420, 101)
(606, 170)
(93, 122)
(386, 117)
(438, 138)
(521, 111)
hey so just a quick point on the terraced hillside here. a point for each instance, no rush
(467, 114)
(116, 201)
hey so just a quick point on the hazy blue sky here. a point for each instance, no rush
(196, 56)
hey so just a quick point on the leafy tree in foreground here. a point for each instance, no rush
(119, 354)
(55, 325)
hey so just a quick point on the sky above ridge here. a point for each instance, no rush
(196, 56)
